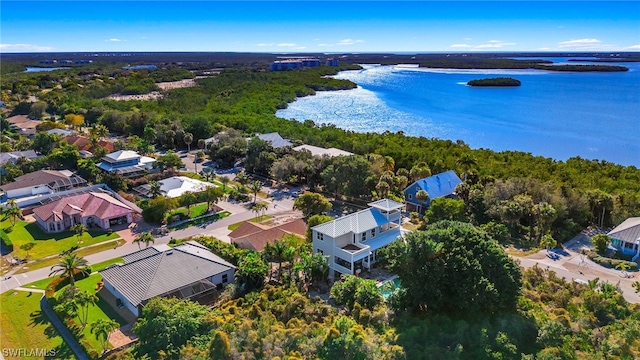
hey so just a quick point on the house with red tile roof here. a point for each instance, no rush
(254, 236)
(83, 143)
(93, 209)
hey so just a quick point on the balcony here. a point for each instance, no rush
(352, 252)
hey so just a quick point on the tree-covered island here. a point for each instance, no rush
(500, 81)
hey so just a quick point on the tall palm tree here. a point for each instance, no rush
(277, 250)
(13, 212)
(207, 172)
(225, 181)
(101, 329)
(466, 163)
(242, 178)
(79, 229)
(84, 299)
(98, 130)
(389, 163)
(255, 187)
(383, 189)
(422, 196)
(188, 139)
(145, 238)
(69, 265)
(419, 171)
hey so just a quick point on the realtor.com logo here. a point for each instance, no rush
(24, 352)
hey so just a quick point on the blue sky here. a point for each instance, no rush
(313, 26)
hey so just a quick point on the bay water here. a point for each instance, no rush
(593, 115)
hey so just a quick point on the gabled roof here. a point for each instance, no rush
(36, 178)
(358, 222)
(63, 132)
(84, 143)
(163, 272)
(386, 205)
(177, 185)
(96, 204)
(274, 139)
(436, 186)
(259, 235)
(628, 230)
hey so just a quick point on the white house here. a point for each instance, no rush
(351, 242)
(187, 271)
(176, 186)
(626, 237)
(320, 152)
(42, 182)
(127, 163)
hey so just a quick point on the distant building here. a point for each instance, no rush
(127, 163)
(42, 182)
(320, 152)
(13, 157)
(275, 140)
(66, 62)
(176, 186)
(83, 62)
(289, 64)
(83, 143)
(187, 271)
(439, 185)
(61, 132)
(626, 237)
(93, 209)
(332, 62)
(23, 124)
(48, 62)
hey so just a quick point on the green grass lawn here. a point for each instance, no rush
(258, 219)
(102, 310)
(197, 210)
(47, 244)
(42, 284)
(23, 325)
(208, 219)
(82, 252)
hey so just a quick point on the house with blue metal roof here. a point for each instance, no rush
(439, 185)
(351, 242)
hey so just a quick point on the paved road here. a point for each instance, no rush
(282, 204)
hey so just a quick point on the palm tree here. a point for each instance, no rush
(383, 189)
(255, 187)
(258, 208)
(623, 267)
(84, 299)
(422, 196)
(27, 247)
(225, 181)
(145, 238)
(419, 171)
(101, 329)
(389, 163)
(79, 229)
(277, 250)
(69, 265)
(466, 163)
(154, 189)
(12, 212)
(188, 139)
(207, 172)
(242, 178)
(98, 130)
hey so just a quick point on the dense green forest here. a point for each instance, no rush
(501, 81)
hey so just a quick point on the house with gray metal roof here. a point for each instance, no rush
(626, 237)
(187, 271)
(439, 185)
(274, 139)
(352, 241)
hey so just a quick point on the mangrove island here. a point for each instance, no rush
(501, 81)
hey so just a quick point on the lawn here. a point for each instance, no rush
(102, 310)
(197, 210)
(42, 284)
(258, 219)
(47, 244)
(203, 220)
(23, 325)
(82, 252)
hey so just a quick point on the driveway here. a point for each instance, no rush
(573, 266)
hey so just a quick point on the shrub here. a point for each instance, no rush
(608, 262)
(61, 281)
(5, 239)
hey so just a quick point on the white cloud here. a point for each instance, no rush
(579, 43)
(265, 44)
(460, 46)
(494, 44)
(24, 47)
(287, 45)
(349, 42)
(633, 47)
(115, 40)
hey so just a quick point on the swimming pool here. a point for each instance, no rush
(389, 286)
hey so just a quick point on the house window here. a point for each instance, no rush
(58, 226)
(410, 196)
(320, 236)
(364, 236)
(373, 232)
(52, 227)
(319, 251)
(225, 278)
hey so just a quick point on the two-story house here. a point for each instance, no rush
(351, 242)
(127, 162)
(439, 185)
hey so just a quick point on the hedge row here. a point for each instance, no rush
(608, 262)
(5, 239)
